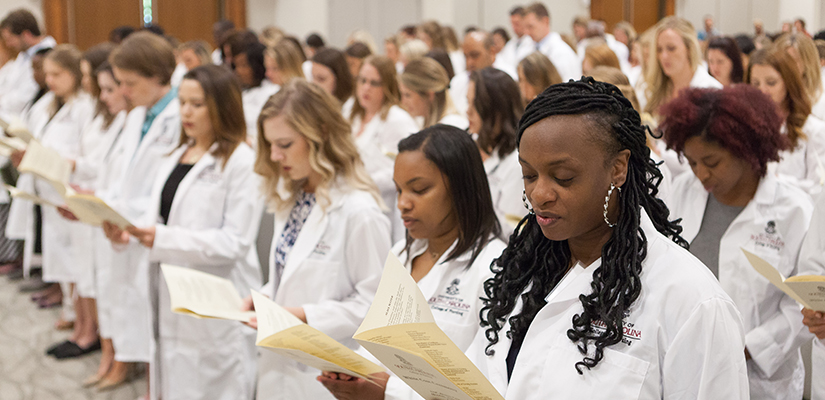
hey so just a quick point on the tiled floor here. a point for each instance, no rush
(26, 372)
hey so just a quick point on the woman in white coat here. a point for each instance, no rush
(204, 215)
(99, 170)
(595, 297)
(331, 71)
(731, 201)
(331, 237)
(773, 72)
(378, 124)
(248, 64)
(426, 96)
(495, 106)
(59, 121)
(143, 64)
(451, 242)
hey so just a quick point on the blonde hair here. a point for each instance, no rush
(811, 74)
(288, 57)
(362, 36)
(389, 86)
(659, 85)
(628, 30)
(600, 53)
(539, 71)
(201, 49)
(413, 49)
(425, 76)
(271, 35)
(316, 115)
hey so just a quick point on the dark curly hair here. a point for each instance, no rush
(533, 265)
(738, 118)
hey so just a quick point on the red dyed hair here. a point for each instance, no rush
(740, 118)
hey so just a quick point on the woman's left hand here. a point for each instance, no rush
(146, 236)
(815, 321)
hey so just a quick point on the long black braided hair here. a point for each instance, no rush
(533, 265)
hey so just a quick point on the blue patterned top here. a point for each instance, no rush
(296, 220)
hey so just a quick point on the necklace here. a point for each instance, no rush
(435, 254)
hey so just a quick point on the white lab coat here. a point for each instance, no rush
(254, 100)
(61, 133)
(801, 163)
(378, 145)
(561, 55)
(458, 61)
(130, 194)
(106, 165)
(772, 226)
(95, 142)
(212, 228)
(19, 86)
(818, 108)
(332, 272)
(453, 290)
(516, 49)
(455, 120)
(683, 339)
(506, 187)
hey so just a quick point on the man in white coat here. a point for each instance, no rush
(478, 54)
(143, 64)
(21, 32)
(537, 22)
(521, 45)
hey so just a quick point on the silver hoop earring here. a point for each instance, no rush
(607, 203)
(524, 200)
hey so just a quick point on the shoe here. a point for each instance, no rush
(56, 346)
(49, 303)
(133, 372)
(72, 350)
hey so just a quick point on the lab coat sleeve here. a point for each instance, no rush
(771, 343)
(217, 246)
(706, 359)
(367, 246)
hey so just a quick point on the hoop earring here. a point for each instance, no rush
(607, 202)
(524, 200)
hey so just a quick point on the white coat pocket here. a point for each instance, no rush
(617, 376)
(317, 281)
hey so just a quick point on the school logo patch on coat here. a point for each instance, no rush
(770, 228)
(452, 290)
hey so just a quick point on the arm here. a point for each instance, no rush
(367, 245)
(217, 246)
(706, 358)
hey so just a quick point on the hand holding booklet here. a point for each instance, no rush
(285, 334)
(47, 164)
(203, 295)
(808, 290)
(400, 331)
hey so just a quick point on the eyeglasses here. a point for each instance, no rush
(363, 81)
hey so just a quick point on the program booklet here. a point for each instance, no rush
(808, 290)
(400, 331)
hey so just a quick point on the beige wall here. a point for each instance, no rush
(736, 16)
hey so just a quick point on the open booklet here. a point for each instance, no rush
(9, 145)
(808, 290)
(19, 194)
(400, 331)
(16, 128)
(285, 334)
(203, 295)
(47, 164)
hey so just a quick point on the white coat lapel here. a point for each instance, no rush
(164, 171)
(207, 161)
(311, 233)
(158, 128)
(694, 210)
